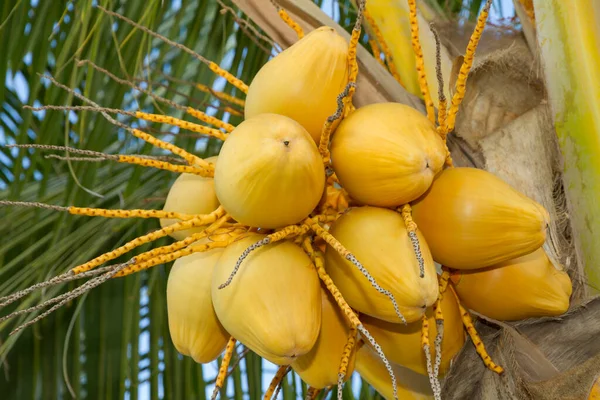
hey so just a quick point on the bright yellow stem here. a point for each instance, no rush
(148, 162)
(461, 80)
(190, 158)
(190, 126)
(238, 83)
(209, 119)
(221, 95)
(568, 33)
(420, 63)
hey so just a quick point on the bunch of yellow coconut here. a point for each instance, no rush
(373, 210)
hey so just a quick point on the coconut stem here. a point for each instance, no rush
(312, 393)
(223, 367)
(66, 277)
(92, 283)
(411, 227)
(190, 158)
(165, 258)
(442, 106)
(190, 126)
(343, 370)
(192, 111)
(479, 346)
(319, 263)
(461, 80)
(160, 162)
(379, 352)
(285, 17)
(326, 131)
(275, 382)
(420, 63)
(196, 221)
(433, 381)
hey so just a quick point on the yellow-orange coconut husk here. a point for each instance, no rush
(269, 173)
(303, 81)
(525, 287)
(190, 194)
(319, 367)
(473, 219)
(379, 240)
(409, 384)
(273, 304)
(402, 343)
(193, 324)
(386, 154)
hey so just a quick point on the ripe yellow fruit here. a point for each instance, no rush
(402, 343)
(190, 194)
(303, 81)
(473, 219)
(525, 287)
(273, 304)
(319, 367)
(193, 324)
(386, 154)
(379, 240)
(409, 384)
(269, 173)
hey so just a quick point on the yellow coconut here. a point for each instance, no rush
(379, 240)
(193, 324)
(386, 154)
(473, 219)
(269, 173)
(190, 194)
(525, 287)
(319, 367)
(409, 384)
(303, 81)
(273, 304)
(402, 343)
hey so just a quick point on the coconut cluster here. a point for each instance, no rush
(270, 175)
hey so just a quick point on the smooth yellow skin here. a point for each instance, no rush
(379, 240)
(319, 367)
(409, 384)
(303, 81)
(269, 173)
(193, 324)
(273, 304)
(386, 154)
(190, 194)
(525, 287)
(473, 219)
(402, 343)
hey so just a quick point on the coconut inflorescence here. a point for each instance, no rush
(319, 255)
